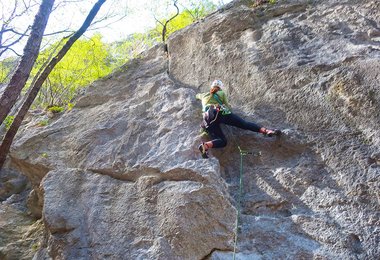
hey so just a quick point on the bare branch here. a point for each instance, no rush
(166, 23)
(25, 5)
(6, 47)
(13, 31)
(10, 49)
(59, 32)
(65, 2)
(46, 34)
(13, 14)
(8, 29)
(158, 20)
(104, 19)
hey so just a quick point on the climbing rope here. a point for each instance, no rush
(242, 153)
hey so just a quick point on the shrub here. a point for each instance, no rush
(56, 109)
(43, 122)
(70, 106)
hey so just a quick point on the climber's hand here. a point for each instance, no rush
(270, 132)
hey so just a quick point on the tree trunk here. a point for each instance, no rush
(9, 136)
(31, 50)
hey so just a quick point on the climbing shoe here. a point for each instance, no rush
(203, 150)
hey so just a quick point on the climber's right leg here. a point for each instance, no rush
(218, 140)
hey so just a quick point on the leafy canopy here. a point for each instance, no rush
(86, 61)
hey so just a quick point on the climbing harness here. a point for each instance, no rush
(210, 116)
(242, 154)
(223, 108)
(212, 111)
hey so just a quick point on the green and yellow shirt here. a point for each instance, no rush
(207, 99)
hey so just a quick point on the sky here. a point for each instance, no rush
(138, 16)
(138, 19)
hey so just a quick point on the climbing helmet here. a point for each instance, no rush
(217, 83)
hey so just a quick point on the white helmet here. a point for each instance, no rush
(217, 83)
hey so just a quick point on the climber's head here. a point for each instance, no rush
(216, 86)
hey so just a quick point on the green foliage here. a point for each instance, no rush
(6, 68)
(196, 11)
(179, 22)
(86, 61)
(199, 9)
(8, 121)
(90, 58)
(56, 109)
(130, 48)
(70, 106)
(43, 122)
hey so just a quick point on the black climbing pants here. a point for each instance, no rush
(216, 133)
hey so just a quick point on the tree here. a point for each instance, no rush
(130, 48)
(192, 14)
(86, 61)
(165, 24)
(31, 50)
(122, 51)
(194, 11)
(199, 9)
(11, 133)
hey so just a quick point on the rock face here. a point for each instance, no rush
(120, 176)
(20, 234)
(11, 182)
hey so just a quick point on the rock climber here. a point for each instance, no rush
(216, 111)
